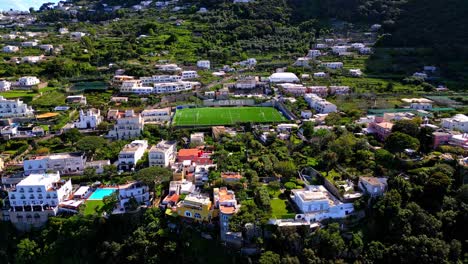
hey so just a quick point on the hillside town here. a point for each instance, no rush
(246, 152)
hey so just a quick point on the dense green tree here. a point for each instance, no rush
(90, 145)
(269, 257)
(397, 142)
(152, 176)
(27, 251)
(409, 127)
(71, 136)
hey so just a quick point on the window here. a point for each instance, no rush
(188, 214)
(197, 215)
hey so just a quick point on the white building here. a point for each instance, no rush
(457, 122)
(355, 72)
(65, 163)
(302, 62)
(421, 106)
(186, 75)
(250, 62)
(76, 99)
(320, 75)
(283, 77)
(204, 64)
(314, 53)
(372, 185)
(321, 91)
(247, 82)
(5, 85)
(293, 88)
(163, 154)
(333, 65)
(149, 81)
(357, 46)
(320, 105)
(14, 108)
(29, 44)
(89, 119)
(46, 47)
(168, 67)
(365, 50)
(340, 49)
(131, 154)
(63, 31)
(321, 46)
(37, 197)
(197, 138)
(77, 35)
(133, 190)
(97, 165)
(28, 81)
(316, 203)
(174, 87)
(156, 115)
(421, 75)
(10, 49)
(340, 90)
(128, 126)
(32, 59)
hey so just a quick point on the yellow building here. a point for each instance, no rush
(196, 206)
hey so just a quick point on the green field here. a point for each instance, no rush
(92, 206)
(226, 116)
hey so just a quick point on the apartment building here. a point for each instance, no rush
(204, 64)
(133, 190)
(156, 115)
(131, 154)
(320, 105)
(174, 87)
(28, 81)
(5, 85)
(163, 154)
(186, 75)
(457, 122)
(149, 81)
(129, 125)
(65, 163)
(333, 65)
(37, 197)
(14, 108)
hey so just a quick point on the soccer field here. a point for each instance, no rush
(226, 116)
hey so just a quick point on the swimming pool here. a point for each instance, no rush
(99, 194)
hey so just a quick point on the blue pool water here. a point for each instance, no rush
(99, 194)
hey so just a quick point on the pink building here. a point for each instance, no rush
(382, 130)
(440, 138)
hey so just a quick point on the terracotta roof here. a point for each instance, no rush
(385, 125)
(188, 152)
(231, 175)
(227, 209)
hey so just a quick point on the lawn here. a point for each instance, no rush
(226, 116)
(92, 205)
(280, 209)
